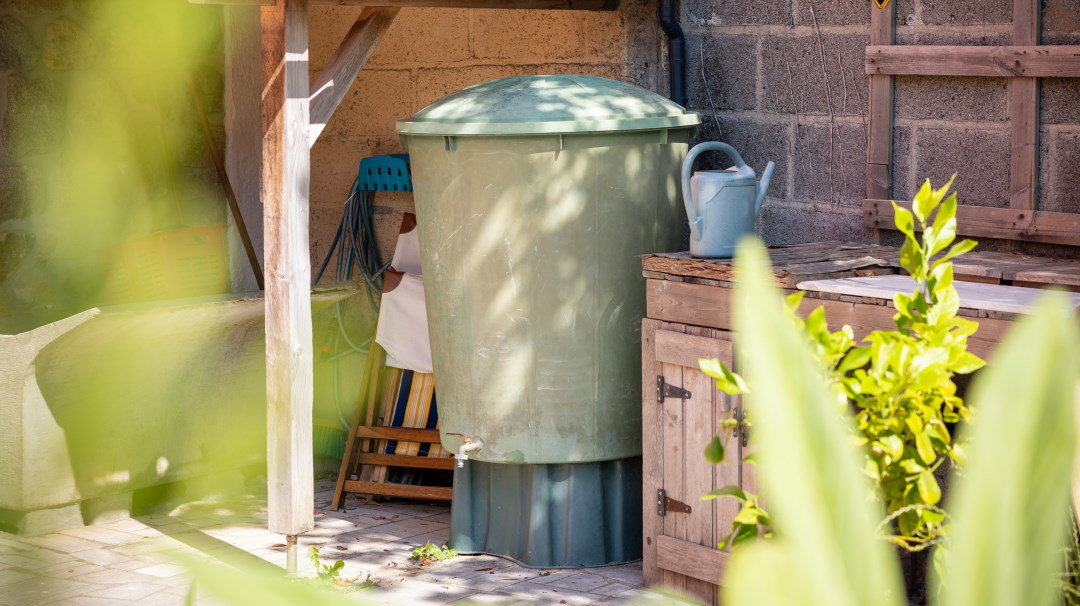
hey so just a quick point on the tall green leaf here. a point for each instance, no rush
(826, 552)
(1011, 505)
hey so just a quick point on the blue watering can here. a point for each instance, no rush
(721, 205)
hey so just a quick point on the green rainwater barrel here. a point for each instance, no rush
(535, 197)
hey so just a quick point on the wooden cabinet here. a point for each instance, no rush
(681, 413)
(689, 317)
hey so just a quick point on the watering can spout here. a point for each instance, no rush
(763, 185)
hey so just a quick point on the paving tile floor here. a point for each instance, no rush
(131, 562)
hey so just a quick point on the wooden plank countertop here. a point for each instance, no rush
(973, 295)
(832, 260)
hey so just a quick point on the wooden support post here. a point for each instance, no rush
(879, 137)
(345, 65)
(285, 182)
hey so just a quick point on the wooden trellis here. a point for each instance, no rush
(1023, 63)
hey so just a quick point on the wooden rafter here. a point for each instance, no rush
(584, 5)
(1023, 63)
(349, 58)
(285, 177)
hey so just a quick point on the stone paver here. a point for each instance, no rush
(133, 562)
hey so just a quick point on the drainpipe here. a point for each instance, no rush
(669, 22)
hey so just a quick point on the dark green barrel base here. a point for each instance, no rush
(549, 516)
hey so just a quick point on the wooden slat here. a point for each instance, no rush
(407, 434)
(396, 460)
(285, 177)
(686, 350)
(674, 475)
(435, 493)
(692, 304)
(1004, 223)
(700, 427)
(1024, 142)
(1050, 61)
(700, 305)
(685, 558)
(652, 449)
(880, 126)
(588, 5)
(349, 58)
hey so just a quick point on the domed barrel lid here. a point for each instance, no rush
(525, 105)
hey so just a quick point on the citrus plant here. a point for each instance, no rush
(899, 384)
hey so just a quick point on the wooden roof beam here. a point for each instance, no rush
(350, 57)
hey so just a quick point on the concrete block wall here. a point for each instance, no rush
(784, 81)
(430, 53)
(61, 70)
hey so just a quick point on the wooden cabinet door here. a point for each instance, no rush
(680, 530)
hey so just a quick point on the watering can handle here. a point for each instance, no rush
(687, 171)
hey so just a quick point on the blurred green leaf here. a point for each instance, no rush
(1011, 505)
(714, 452)
(821, 501)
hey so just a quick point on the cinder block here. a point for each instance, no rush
(830, 164)
(614, 71)
(757, 142)
(951, 98)
(433, 84)
(1064, 173)
(33, 121)
(604, 36)
(1061, 22)
(970, 37)
(780, 225)
(327, 26)
(642, 38)
(730, 71)
(17, 46)
(526, 36)
(792, 64)
(15, 193)
(735, 12)
(373, 105)
(839, 12)
(1060, 100)
(425, 37)
(336, 161)
(903, 181)
(979, 157)
(965, 12)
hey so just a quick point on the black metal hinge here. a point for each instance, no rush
(664, 504)
(666, 390)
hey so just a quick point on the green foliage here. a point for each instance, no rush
(430, 552)
(900, 383)
(327, 572)
(1009, 504)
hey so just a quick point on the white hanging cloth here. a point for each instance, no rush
(403, 325)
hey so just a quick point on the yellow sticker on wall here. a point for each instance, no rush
(881, 3)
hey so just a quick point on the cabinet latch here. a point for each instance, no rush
(664, 504)
(666, 390)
